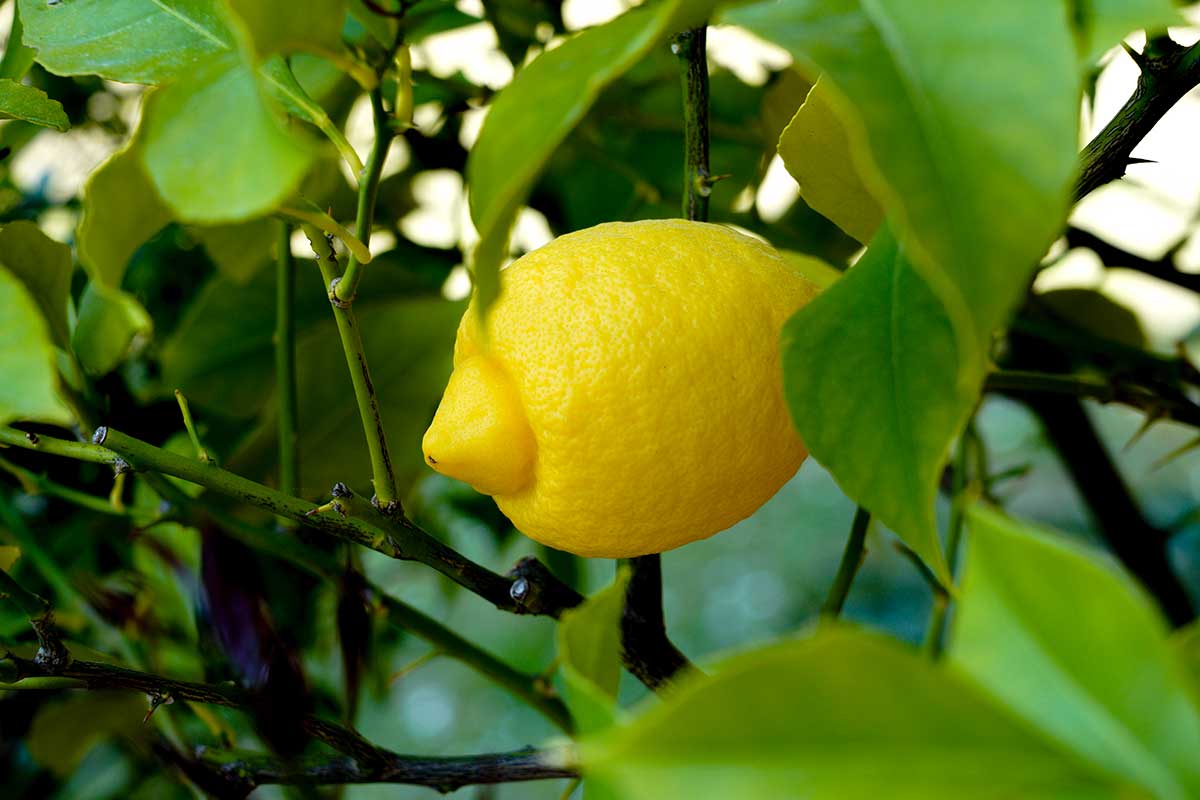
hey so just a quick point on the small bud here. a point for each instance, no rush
(519, 590)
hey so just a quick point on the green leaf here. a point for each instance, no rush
(110, 322)
(976, 197)
(62, 733)
(533, 114)
(1074, 645)
(45, 267)
(18, 101)
(1095, 313)
(812, 268)
(879, 402)
(222, 357)
(132, 41)
(287, 25)
(215, 151)
(9, 555)
(589, 651)
(17, 58)
(121, 210)
(29, 390)
(239, 251)
(843, 714)
(1101, 24)
(816, 150)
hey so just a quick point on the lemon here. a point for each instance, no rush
(626, 396)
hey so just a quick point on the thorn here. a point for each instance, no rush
(1138, 58)
(1129, 161)
(1152, 417)
(1176, 453)
(156, 700)
(332, 505)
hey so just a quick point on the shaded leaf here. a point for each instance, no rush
(1097, 314)
(286, 25)
(64, 732)
(239, 250)
(45, 267)
(532, 115)
(879, 402)
(29, 389)
(589, 651)
(215, 151)
(1074, 645)
(843, 714)
(814, 269)
(18, 101)
(18, 57)
(121, 210)
(816, 150)
(110, 322)
(9, 555)
(786, 94)
(132, 41)
(1102, 24)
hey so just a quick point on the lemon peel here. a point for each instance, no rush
(624, 395)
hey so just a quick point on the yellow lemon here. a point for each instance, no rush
(626, 397)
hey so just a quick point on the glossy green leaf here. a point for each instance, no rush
(45, 267)
(133, 41)
(843, 714)
(215, 151)
(880, 401)
(533, 114)
(937, 88)
(1074, 645)
(18, 57)
(110, 323)
(589, 651)
(286, 25)
(1101, 24)
(816, 150)
(18, 101)
(29, 390)
(121, 210)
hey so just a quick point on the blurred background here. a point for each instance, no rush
(189, 329)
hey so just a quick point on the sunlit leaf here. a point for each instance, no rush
(845, 715)
(215, 151)
(18, 101)
(589, 651)
(533, 114)
(816, 150)
(133, 41)
(1077, 647)
(879, 402)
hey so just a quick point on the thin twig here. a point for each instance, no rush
(383, 476)
(852, 558)
(1104, 389)
(368, 190)
(691, 49)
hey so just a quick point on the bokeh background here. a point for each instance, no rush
(203, 321)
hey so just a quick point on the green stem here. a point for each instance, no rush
(285, 361)
(368, 190)
(691, 48)
(327, 567)
(383, 477)
(327, 224)
(186, 411)
(935, 634)
(852, 558)
(77, 451)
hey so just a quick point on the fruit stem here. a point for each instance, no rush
(691, 48)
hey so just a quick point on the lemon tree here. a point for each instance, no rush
(679, 399)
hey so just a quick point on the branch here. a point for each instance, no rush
(532, 689)
(51, 654)
(1169, 71)
(646, 649)
(246, 772)
(1113, 256)
(852, 558)
(691, 48)
(1104, 389)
